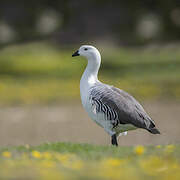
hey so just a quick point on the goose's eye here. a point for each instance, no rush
(85, 49)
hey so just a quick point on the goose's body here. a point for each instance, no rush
(111, 108)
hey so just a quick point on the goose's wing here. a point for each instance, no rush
(120, 107)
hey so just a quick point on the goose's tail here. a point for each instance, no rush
(154, 130)
(151, 127)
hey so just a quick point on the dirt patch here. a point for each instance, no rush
(35, 125)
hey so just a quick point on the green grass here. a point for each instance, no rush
(40, 73)
(85, 161)
(84, 151)
(94, 152)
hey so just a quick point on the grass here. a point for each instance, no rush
(84, 161)
(40, 73)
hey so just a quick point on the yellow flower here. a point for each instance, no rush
(6, 154)
(139, 150)
(158, 146)
(169, 148)
(36, 154)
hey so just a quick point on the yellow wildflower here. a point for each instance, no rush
(6, 154)
(139, 150)
(158, 146)
(36, 154)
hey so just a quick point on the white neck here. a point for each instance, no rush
(90, 76)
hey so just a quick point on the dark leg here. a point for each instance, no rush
(114, 140)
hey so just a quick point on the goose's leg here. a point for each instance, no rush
(114, 140)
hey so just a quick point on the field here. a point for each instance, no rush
(83, 161)
(41, 73)
(40, 102)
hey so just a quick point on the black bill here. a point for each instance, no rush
(75, 54)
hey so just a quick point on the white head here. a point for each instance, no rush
(90, 52)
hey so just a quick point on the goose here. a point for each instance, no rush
(111, 108)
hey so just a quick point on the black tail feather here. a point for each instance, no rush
(153, 130)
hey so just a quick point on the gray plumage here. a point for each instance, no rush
(120, 108)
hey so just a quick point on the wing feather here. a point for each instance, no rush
(121, 106)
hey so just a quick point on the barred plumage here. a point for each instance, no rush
(101, 107)
(118, 107)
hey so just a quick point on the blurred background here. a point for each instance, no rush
(39, 81)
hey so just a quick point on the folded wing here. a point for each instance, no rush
(120, 107)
